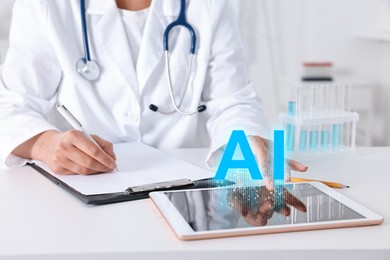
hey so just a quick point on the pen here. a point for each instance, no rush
(72, 120)
(327, 183)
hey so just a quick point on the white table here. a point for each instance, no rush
(39, 220)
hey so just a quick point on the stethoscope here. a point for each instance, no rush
(90, 69)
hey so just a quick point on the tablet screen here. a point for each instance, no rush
(231, 208)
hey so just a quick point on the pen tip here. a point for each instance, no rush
(347, 187)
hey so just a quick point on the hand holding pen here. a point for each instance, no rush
(75, 152)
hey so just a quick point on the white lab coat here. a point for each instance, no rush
(39, 72)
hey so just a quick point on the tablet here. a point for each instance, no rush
(238, 211)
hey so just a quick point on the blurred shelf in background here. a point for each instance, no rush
(379, 36)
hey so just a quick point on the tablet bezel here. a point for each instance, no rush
(184, 232)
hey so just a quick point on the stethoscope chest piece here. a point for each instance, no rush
(89, 70)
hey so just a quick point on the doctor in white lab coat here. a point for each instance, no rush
(39, 72)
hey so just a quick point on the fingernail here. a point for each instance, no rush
(113, 166)
(269, 185)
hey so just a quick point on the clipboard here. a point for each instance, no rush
(141, 153)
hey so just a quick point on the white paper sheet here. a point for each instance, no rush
(138, 164)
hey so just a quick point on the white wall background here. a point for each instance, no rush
(280, 34)
(5, 18)
(305, 30)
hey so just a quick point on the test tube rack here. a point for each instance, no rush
(322, 140)
(318, 123)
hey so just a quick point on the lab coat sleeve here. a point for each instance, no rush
(29, 79)
(232, 103)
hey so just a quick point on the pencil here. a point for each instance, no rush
(327, 183)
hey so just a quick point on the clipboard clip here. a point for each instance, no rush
(159, 186)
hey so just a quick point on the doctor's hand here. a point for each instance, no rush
(70, 152)
(260, 150)
(257, 204)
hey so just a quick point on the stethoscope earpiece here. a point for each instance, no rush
(154, 108)
(202, 108)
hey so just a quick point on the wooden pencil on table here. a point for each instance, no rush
(327, 183)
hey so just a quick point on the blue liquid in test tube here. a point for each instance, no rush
(325, 138)
(336, 135)
(302, 140)
(313, 139)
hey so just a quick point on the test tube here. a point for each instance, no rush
(347, 134)
(348, 126)
(313, 138)
(300, 98)
(348, 90)
(341, 99)
(303, 108)
(339, 109)
(336, 135)
(290, 129)
(303, 138)
(325, 108)
(314, 129)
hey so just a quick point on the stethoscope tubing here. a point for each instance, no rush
(90, 70)
(181, 21)
(87, 54)
(170, 87)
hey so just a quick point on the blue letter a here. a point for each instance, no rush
(238, 137)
